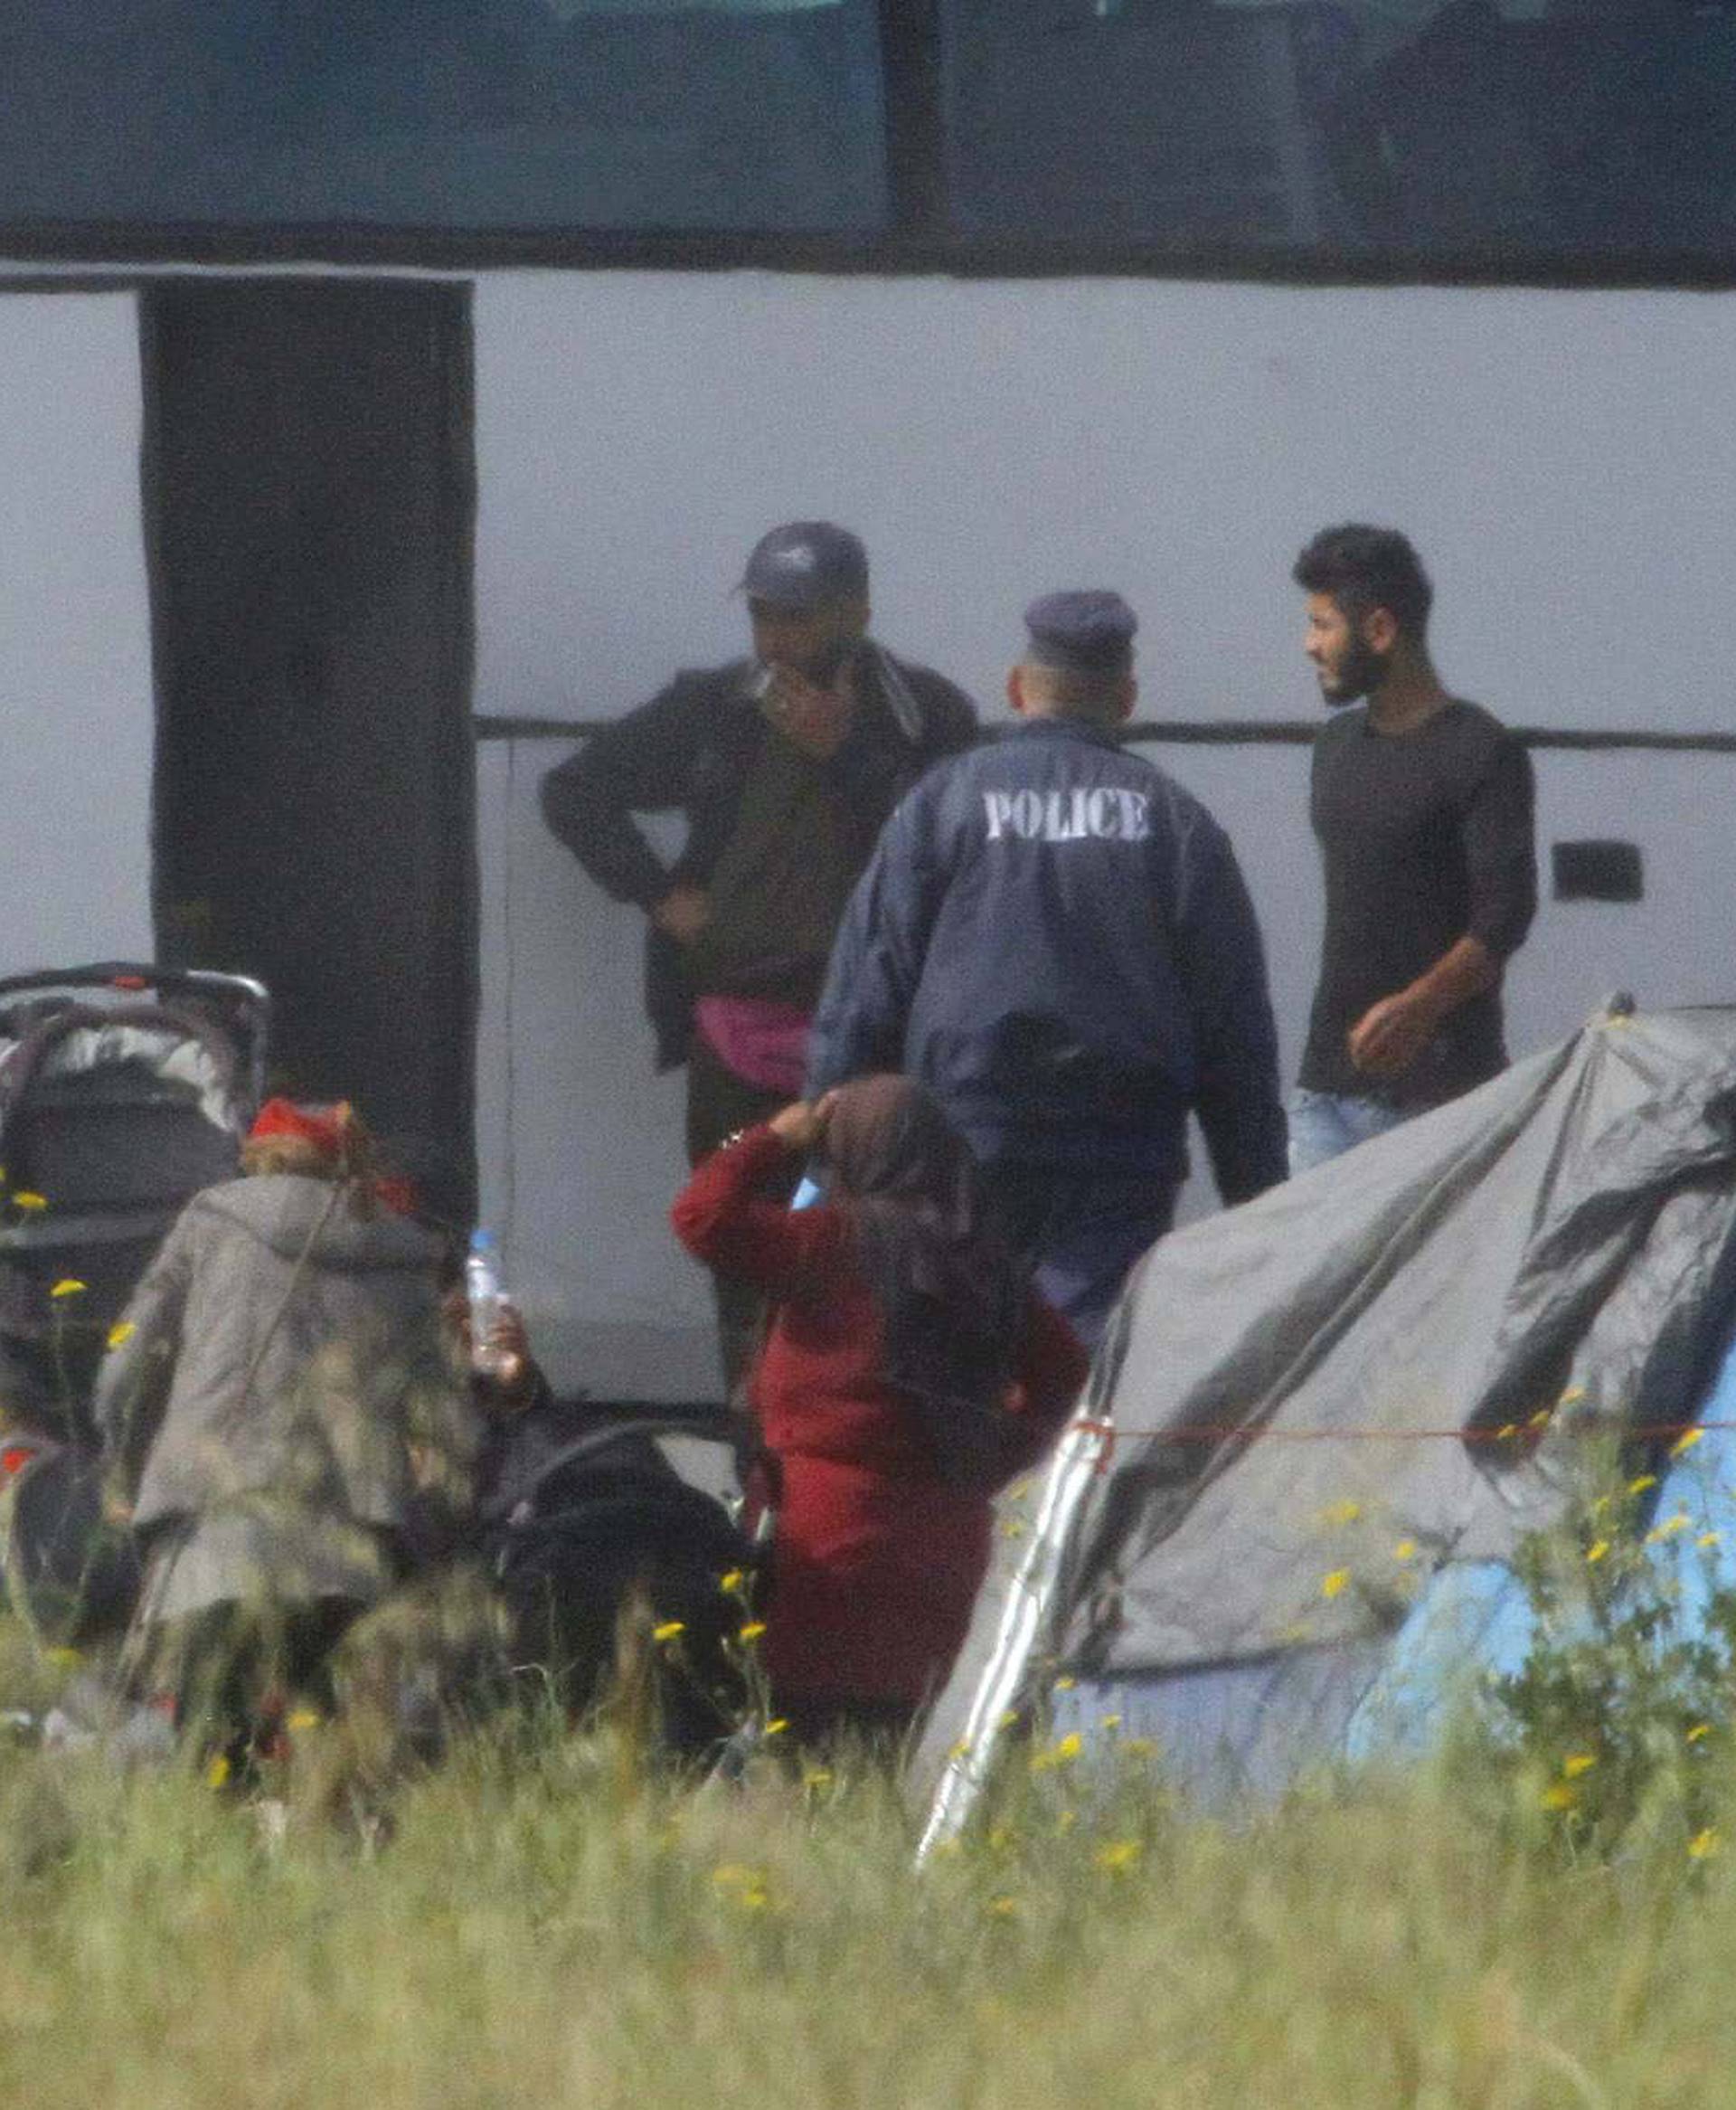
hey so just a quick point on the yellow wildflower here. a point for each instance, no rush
(1008, 1718)
(817, 1776)
(1406, 1549)
(1600, 1505)
(1704, 1843)
(1668, 1528)
(1061, 1753)
(1004, 1907)
(730, 1583)
(1576, 1763)
(1540, 1417)
(121, 1332)
(751, 1631)
(1013, 1527)
(1574, 1394)
(1699, 1730)
(1560, 1796)
(776, 1727)
(1110, 1722)
(1065, 1684)
(1596, 1551)
(25, 1199)
(1639, 1487)
(1345, 1512)
(1707, 1538)
(1331, 1585)
(1505, 1430)
(961, 1749)
(69, 1286)
(1120, 1854)
(745, 1887)
(1685, 1442)
(303, 1718)
(217, 1772)
(669, 1630)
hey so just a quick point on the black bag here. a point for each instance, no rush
(602, 1527)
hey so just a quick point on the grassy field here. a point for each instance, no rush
(534, 1924)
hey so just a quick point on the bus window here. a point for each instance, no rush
(1528, 129)
(737, 116)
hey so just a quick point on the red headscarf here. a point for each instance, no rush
(337, 1138)
(329, 1130)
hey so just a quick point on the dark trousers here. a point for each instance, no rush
(719, 1102)
(881, 1729)
(1082, 1230)
(231, 1669)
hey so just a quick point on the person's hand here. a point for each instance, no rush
(800, 1126)
(1389, 1036)
(513, 1380)
(814, 719)
(683, 914)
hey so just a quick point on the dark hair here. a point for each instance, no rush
(1363, 568)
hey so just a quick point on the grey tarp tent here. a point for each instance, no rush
(1310, 1411)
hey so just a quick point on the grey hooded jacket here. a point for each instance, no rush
(282, 1348)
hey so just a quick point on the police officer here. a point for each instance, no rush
(1055, 938)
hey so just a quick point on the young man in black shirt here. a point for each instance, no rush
(1422, 805)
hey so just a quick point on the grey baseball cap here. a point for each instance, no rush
(806, 563)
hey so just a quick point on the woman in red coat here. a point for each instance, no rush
(909, 1371)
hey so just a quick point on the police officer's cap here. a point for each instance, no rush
(807, 563)
(1081, 632)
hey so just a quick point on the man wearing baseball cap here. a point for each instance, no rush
(1053, 937)
(784, 764)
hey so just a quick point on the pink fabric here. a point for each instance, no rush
(764, 1044)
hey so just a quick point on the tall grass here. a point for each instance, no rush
(539, 1923)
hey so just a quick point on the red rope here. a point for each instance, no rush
(1508, 1432)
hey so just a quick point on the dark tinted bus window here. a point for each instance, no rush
(1534, 129)
(746, 114)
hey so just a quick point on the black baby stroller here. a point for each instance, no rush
(124, 1090)
(595, 1541)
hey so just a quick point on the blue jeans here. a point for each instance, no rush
(1326, 1124)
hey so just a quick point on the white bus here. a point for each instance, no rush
(392, 389)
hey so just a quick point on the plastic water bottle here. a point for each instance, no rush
(482, 1288)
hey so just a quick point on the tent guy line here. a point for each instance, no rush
(1508, 1433)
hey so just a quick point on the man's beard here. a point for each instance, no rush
(1361, 671)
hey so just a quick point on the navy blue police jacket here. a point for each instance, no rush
(1055, 938)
